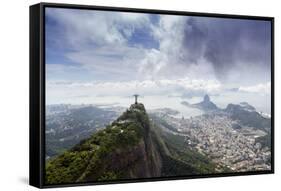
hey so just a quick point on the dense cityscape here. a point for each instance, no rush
(214, 136)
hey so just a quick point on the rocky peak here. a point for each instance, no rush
(206, 104)
(206, 98)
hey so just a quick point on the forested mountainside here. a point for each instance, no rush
(130, 147)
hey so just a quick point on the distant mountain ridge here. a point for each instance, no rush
(248, 116)
(243, 112)
(247, 106)
(206, 104)
(66, 125)
(130, 147)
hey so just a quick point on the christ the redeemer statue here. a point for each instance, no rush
(136, 98)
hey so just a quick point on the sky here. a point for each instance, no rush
(106, 57)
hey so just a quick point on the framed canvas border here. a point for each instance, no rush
(38, 96)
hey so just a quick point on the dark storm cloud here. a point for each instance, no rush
(225, 43)
(195, 37)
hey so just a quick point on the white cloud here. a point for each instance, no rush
(86, 27)
(160, 63)
(110, 60)
(98, 42)
(146, 87)
(259, 88)
(172, 59)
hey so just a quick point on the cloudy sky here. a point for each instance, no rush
(105, 57)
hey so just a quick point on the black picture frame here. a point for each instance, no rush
(37, 92)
